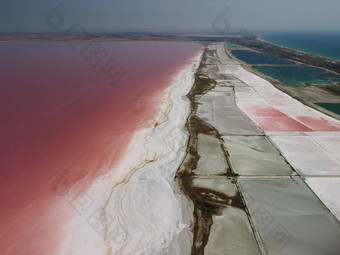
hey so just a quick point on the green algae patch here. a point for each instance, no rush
(333, 107)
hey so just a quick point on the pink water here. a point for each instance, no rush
(62, 118)
(271, 119)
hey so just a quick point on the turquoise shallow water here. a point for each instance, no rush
(251, 57)
(326, 44)
(232, 46)
(298, 75)
(322, 43)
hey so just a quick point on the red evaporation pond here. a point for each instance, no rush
(262, 111)
(319, 124)
(270, 119)
(280, 124)
(70, 107)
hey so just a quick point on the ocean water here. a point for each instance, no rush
(68, 112)
(251, 57)
(297, 76)
(326, 44)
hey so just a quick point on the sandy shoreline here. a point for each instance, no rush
(157, 154)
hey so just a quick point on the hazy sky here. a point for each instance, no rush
(170, 15)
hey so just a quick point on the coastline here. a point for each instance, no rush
(258, 37)
(151, 149)
(294, 48)
(301, 52)
(297, 56)
(309, 95)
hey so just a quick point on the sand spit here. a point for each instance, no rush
(139, 206)
(209, 182)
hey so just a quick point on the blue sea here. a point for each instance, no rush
(326, 44)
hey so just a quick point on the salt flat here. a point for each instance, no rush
(290, 218)
(283, 166)
(255, 155)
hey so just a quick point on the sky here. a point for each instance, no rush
(168, 16)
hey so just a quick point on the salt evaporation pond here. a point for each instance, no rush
(68, 112)
(284, 70)
(252, 57)
(299, 76)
